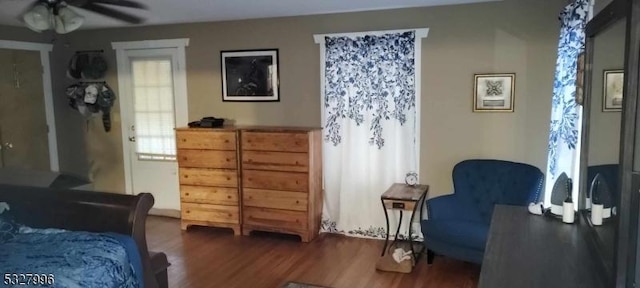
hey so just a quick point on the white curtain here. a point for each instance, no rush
(370, 125)
(566, 114)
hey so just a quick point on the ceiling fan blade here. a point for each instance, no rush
(123, 3)
(109, 12)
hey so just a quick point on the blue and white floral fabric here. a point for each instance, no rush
(566, 114)
(370, 126)
(368, 76)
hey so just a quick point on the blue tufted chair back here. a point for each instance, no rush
(484, 183)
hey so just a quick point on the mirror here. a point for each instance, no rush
(603, 115)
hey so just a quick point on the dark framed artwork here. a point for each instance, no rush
(250, 75)
(494, 92)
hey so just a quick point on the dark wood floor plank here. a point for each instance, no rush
(210, 257)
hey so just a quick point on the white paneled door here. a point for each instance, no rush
(153, 104)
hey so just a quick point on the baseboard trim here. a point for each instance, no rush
(165, 212)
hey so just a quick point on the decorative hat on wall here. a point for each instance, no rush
(87, 65)
(92, 99)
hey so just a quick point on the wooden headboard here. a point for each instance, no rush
(83, 211)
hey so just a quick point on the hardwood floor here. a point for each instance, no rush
(211, 257)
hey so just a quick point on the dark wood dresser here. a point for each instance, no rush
(525, 250)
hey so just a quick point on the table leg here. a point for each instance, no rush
(386, 217)
(395, 238)
(420, 204)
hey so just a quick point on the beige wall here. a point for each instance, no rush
(508, 36)
(24, 34)
(604, 127)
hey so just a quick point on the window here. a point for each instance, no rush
(153, 109)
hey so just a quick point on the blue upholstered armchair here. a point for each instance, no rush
(458, 224)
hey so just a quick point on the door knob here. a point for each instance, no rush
(132, 139)
(8, 145)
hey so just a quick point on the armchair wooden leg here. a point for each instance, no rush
(430, 256)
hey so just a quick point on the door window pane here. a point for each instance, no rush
(153, 109)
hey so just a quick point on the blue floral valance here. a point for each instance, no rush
(368, 79)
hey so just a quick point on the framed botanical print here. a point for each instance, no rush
(612, 92)
(494, 92)
(250, 75)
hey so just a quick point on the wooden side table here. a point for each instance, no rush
(402, 197)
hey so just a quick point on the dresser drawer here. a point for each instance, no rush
(202, 139)
(272, 180)
(266, 141)
(275, 199)
(208, 177)
(277, 161)
(210, 213)
(275, 218)
(209, 195)
(207, 158)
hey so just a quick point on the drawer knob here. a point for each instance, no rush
(229, 197)
(184, 158)
(229, 214)
(297, 163)
(297, 201)
(226, 141)
(188, 211)
(184, 140)
(297, 182)
(228, 160)
(186, 194)
(186, 176)
(228, 178)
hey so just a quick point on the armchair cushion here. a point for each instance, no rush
(457, 232)
(449, 207)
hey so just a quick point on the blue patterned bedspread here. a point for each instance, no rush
(75, 259)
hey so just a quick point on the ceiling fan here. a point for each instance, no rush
(55, 14)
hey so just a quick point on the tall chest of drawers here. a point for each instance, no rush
(281, 181)
(277, 181)
(209, 182)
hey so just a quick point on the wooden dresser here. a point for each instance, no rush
(209, 181)
(278, 171)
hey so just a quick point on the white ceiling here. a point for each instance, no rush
(189, 11)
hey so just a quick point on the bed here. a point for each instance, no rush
(87, 239)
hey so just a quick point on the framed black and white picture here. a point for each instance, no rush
(250, 75)
(612, 92)
(494, 92)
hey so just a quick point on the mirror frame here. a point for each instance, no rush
(622, 272)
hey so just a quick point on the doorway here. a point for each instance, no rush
(27, 126)
(153, 102)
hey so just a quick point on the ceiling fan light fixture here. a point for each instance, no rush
(38, 18)
(67, 20)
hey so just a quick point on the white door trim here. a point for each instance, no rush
(44, 50)
(181, 103)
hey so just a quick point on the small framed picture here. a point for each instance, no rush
(494, 92)
(250, 75)
(613, 90)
